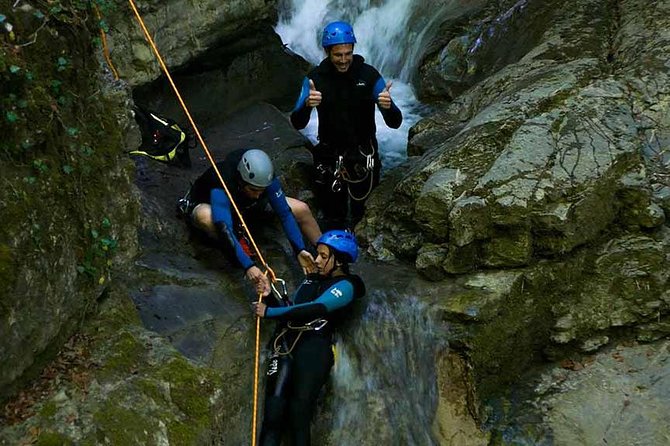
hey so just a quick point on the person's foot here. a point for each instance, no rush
(184, 207)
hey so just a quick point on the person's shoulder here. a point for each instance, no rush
(323, 67)
(357, 283)
(369, 71)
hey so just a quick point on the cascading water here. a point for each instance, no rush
(391, 35)
(384, 378)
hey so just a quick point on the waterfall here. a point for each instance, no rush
(384, 376)
(391, 35)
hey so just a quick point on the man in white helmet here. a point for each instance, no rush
(249, 176)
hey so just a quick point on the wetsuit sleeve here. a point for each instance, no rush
(392, 116)
(223, 221)
(301, 113)
(283, 210)
(337, 296)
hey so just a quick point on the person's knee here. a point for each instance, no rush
(202, 218)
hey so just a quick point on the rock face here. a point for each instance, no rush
(229, 46)
(182, 30)
(618, 396)
(71, 212)
(553, 150)
(66, 208)
(543, 155)
(541, 187)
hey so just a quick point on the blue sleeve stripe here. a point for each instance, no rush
(221, 214)
(378, 88)
(337, 296)
(280, 206)
(220, 207)
(304, 94)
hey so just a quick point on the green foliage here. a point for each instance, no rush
(102, 246)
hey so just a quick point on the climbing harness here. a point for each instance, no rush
(268, 271)
(315, 325)
(342, 176)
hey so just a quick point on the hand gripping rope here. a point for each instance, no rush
(268, 270)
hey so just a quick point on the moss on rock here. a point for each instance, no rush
(66, 214)
(53, 439)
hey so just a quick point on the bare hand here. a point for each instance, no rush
(384, 99)
(259, 308)
(260, 280)
(306, 262)
(314, 98)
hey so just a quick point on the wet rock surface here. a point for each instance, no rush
(178, 360)
(619, 396)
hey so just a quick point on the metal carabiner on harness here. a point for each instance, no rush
(337, 183)
(282, 293)
(316, 324)
(369, 157)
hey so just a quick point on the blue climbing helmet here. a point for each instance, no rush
(336, 33)
(343, 242)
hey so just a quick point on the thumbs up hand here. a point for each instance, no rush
(384, 99)
(314, 98)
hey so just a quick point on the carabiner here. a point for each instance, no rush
(317, 324)
(281, 294)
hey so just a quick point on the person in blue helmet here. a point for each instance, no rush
(249, 177)
(301, 347)
(344, 90)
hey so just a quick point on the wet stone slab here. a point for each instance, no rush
(193, 319)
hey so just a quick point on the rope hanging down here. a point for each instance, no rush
(103, 40)
(268, 270)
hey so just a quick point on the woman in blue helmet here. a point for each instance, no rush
(345, 91)
(301, 348)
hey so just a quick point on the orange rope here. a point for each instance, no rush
(256, 367)
(225, 188)
(105, 49)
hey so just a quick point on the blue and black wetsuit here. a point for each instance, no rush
(207, 189)
(346, 128)
(301, 359)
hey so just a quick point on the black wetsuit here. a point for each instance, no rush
(346, 128)
(301, 362)
(207, 189)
